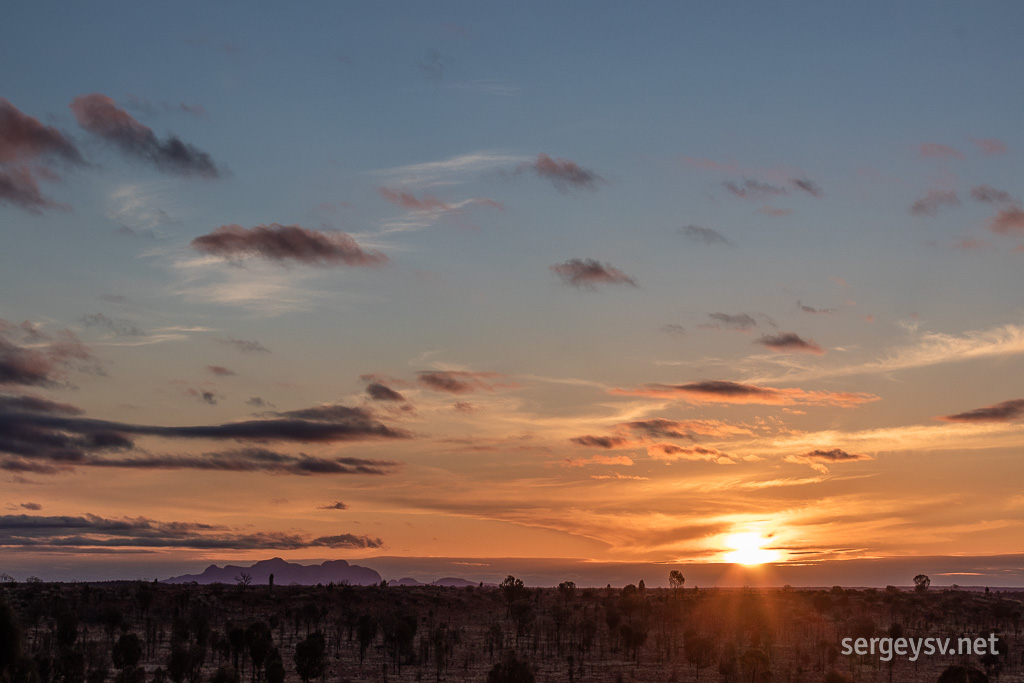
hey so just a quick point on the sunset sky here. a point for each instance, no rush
(582, 283)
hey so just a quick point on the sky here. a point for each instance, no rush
(451, 282)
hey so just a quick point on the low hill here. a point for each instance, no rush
(286, 573)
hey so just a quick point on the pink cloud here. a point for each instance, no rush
(990, 146)
(281, 243)
(1008, 222)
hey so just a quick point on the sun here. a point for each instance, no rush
(748, 549)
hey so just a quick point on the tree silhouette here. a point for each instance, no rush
(309, 657)
(921, 583)
(510, 670)
(675, 579)
(512, 589)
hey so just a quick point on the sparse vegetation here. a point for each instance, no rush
(125, 632)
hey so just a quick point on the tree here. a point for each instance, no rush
(309, 656)
(675, 579)
(567, 589)
(243, 579)
(366, 631)
(127, 651)
(510, 670)
(921, 583)
(513, 589)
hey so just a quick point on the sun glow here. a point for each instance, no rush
(748, 549)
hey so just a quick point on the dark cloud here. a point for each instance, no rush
(93, 531)
(256, 402)
(670, 451)
(565, 175)
(930, 204)
(27, 150)
(120, 327)
(700, 235)
(333, 506)
(812, 309)
(31, 506)
(35, 438)
(99, 115)
(789, 342)
(36, 404)
(724, 391)
(1007, 411)
(807, 186)
(46, 361)
(24, 138)
(245, 346)
(382, 392)
(204, 395)
(460, 381)
(600, 441)
(18, 186)
(819, 459)
(464, 407)
(281, 243)
(673, 328)
(660, 428)
(1008, 222)
(754, 189)
(736, 321)
(220, 370)
(989, 195)
(590, 273)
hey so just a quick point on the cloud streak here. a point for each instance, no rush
(789, 342)
(724, 391)
(1007, 411)
(92, 531)
(565, 175)
(283, 243)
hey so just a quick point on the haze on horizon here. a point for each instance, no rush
(467, 282)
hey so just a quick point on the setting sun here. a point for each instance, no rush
(749, 550)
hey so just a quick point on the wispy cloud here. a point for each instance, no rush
(462, 381)
(1008, 222)
(564, 174)
(706, 236)
(670, 451)
(819, 459)
(453, 170)
(931, 203)
(989, 146)
(935, 150)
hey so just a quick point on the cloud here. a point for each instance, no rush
(807, 186)
(93, 531)
(36, 404)
(818, 459)
(99, 115)
(1008, 222)
(1007, 411)
(599, 460)
(607, 442)
(754, 189)
(333, 506)
(460, 381)
(18, 186)
(31, 506)
(590, 273)
(990, 195)
(789, 342)
(934, 150)
(700, 235)
(119, 327)
(433, 65)
(724, 391)
(256, 402)
(245, 346)
(565, 175)
(220, 370)
(40, 437)
(737, 321)
(660, 428)
(989, 146)
(670, 451)
(451, 171)
(46, 361)
(280, 243)
(930, 204)
(24, 138)
(382, 392)
(812, 309)
(408, 201)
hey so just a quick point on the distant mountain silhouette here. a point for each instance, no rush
(287, 573)
(446, 581)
